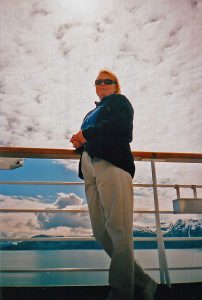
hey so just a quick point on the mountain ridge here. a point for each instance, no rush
(182, 228)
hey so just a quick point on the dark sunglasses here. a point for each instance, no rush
(105, 81)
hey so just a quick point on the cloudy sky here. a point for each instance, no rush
(50, 54)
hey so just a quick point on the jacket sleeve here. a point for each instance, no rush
(118, 124)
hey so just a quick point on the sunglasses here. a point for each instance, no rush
(105, 81)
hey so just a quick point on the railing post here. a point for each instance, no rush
(163, 266)
(177, 191)
(194, 191)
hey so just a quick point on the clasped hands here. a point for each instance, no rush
(78, 139)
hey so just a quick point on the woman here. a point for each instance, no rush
(107, 167)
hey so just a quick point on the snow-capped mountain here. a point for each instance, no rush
(182, 228)
(185, 228)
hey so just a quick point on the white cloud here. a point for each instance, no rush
(29, 224)
(69, 164)
(72, 220)
(65, 200)
(52, 53)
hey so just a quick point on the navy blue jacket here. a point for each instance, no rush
(109, 138)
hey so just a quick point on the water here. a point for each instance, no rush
(87, 259)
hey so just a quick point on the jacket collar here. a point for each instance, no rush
(104, 100)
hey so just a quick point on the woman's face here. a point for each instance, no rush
(103, 89)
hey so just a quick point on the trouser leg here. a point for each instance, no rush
(110, 200)
(115, 192)
(96, 210)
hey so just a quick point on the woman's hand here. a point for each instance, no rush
(78, 139)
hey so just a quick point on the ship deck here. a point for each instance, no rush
(185, 291)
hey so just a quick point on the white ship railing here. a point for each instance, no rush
(153, 157)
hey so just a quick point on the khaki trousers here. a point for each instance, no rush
(109, 195)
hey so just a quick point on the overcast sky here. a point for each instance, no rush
(51, 52)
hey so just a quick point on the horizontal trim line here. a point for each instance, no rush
(91, 238)
(47, 270)
(82, 183)
(30, 210)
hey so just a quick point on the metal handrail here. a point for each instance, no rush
(47, 270)
(82, 183)
(54, 153)
(63, 210)
(90, 238)
(73, 238)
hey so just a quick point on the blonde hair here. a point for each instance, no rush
(113, 77)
